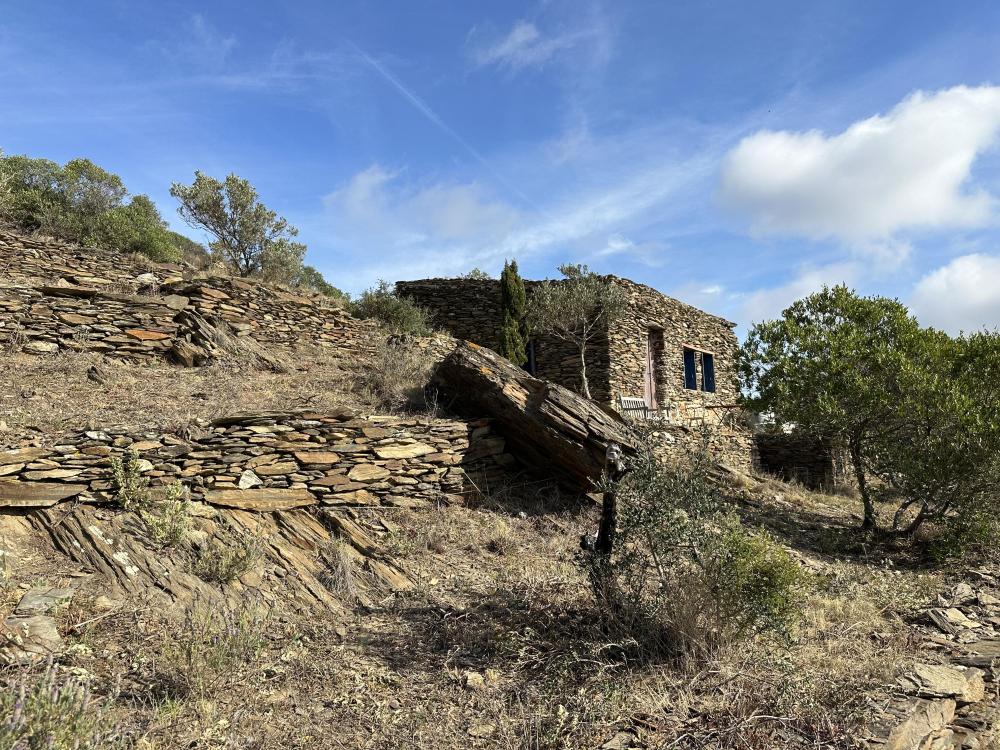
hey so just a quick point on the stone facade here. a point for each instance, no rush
(55, 296)
(655, 329)
(270, 462)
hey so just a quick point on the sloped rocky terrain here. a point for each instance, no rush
(351, 578)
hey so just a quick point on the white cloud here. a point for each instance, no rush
(767, 304)
(907, 169)
(963, 295)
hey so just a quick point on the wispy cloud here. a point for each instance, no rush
(425, 109)
(583, 30)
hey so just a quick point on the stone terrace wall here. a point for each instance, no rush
(470, 309)
(271, 462)
(815, 462)
(83, 305)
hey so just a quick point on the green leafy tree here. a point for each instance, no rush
(576, 309)
(83, 203)
(512, 312)
(830, 365)
(250, 237)
(136, 227)
(919, 411)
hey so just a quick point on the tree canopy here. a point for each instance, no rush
(917, 409)
(84, 203)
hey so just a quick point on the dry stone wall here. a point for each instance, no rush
(55, 297)
(270, 461)
(616, 361)
(816, 462)
(672, 326)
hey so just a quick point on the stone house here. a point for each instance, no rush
(673, 358)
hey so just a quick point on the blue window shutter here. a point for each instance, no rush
(708, 372)
(690, 374)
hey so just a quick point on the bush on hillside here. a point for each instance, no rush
(398, 314)
(83, 203)
(684, 576)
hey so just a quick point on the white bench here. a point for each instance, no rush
(636, 408)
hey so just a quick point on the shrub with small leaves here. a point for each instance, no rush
(131, 487)
(54, 713)
(216, 646)
(397, 314)
(224, 563)
(169, 520)
(684, 575)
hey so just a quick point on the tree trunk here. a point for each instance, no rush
(859, 474)
(584, 385)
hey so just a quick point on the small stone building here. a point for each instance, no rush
(679, 361)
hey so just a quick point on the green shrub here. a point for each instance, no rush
(976, 532)
(131, 487)
(224, 563)
(398, 314)
(169, 520)
(754, 584)
(684, 576)
(54, 714)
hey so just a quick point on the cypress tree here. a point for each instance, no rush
(512, 309)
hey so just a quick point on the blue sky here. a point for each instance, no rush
(736, 155)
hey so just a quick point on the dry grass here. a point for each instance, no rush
(54, 393)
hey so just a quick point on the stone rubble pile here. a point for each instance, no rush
(271, 461)
(955, 704)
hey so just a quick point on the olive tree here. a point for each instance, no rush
(249, 236)
(576, 309)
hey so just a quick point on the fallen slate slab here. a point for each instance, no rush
(29, 639)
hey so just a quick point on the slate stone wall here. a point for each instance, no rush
(616, 362)
(55, 296)
(270, 461)
(816, 462)
(469, 309)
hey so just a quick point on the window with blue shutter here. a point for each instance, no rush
(690, 371)
(708, 372)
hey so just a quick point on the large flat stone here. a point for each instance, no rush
(368, 473)
(412, 450)
(262, 499)
(14, 494)
(21, 455)
(144, 335)
(40, 601)
(317, 458)
(43, 474)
